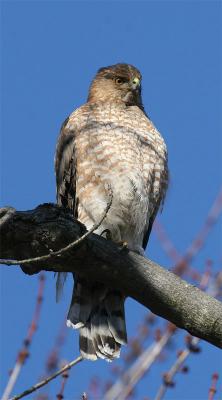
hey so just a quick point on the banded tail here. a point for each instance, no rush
(99, 315)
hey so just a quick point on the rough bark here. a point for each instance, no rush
(49, 227)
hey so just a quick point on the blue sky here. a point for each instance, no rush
(51, 51)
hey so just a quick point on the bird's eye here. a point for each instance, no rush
(118, 81)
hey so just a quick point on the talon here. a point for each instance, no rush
(107, 233)
(124, 245)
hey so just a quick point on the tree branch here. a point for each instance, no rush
(49, 228)
(47, 380)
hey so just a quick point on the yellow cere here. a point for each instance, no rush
(136, 80)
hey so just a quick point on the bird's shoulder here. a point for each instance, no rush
(75, 120)
(145, 128)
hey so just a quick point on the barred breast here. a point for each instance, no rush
(118, 147)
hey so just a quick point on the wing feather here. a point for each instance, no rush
(65, 168)
(159, 200)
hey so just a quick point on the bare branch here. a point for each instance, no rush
(191, 342)
(47, 380)
(168, 377)
(65, 377)
(64, 249)
(123, 387)
(5, 214)
(31, 233)
(212, 389)
(182, 262)
(24, 352)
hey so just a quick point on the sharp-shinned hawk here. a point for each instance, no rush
(109, 142)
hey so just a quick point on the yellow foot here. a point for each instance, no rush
(123, 244)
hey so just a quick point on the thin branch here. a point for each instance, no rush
(53, 356)
(213, 389)
(63, 250)
(212, 217)
(47, 380)
(192, 342)
(122, 388)
(165, 242)
(182, 262)
(168, 377)
(12, 380)
(131, 377)
(5, 214)
(24, 353)
(65, 377)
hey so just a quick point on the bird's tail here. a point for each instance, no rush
(98, 313)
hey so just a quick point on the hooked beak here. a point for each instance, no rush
(135, 83)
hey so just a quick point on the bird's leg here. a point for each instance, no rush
(108, 235)
(123, 244)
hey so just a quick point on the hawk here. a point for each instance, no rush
(109, 142)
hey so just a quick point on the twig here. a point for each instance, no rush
(65, 376)
(141, 366)
(192, 343)
(64, 249)
(212, 217)
(5, 214)
(122, 388)
(168, 377)
(52, 359)
(166, 243)
(52, 363)
(47, 380)
(136, 371)
(182, 262)
(212, 389)
(24, 353)
(192, 347)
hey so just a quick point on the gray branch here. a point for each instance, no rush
(48, 228)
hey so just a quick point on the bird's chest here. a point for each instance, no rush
(111, 151)
(118, 150)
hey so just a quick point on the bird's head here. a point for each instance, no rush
(117, 83)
